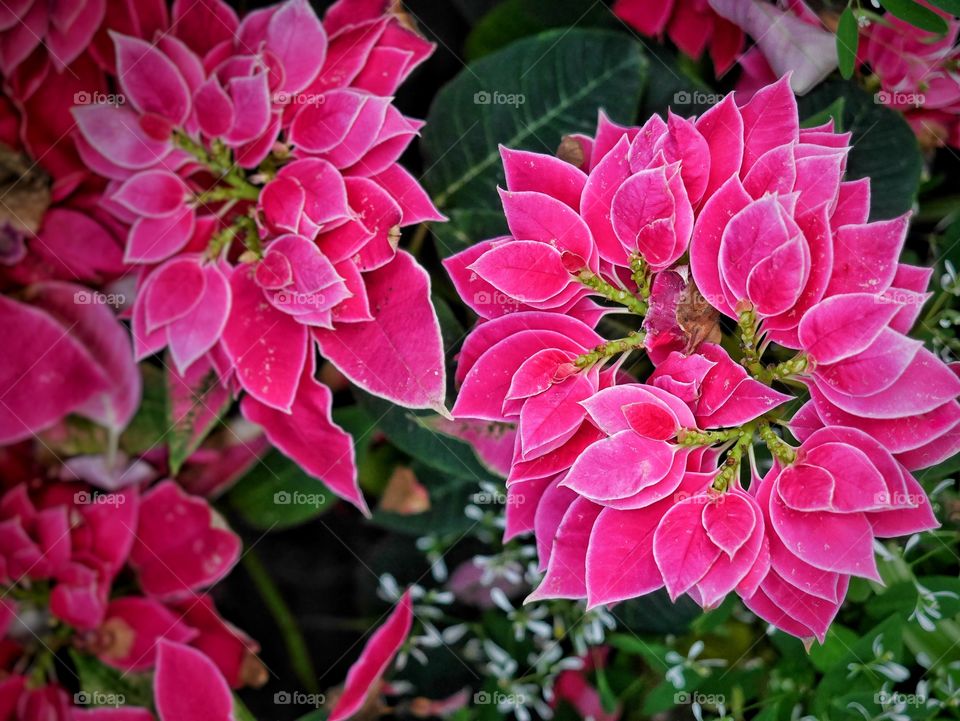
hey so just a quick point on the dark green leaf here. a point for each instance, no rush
(950, 6)
(915, 14)
(834, 111)
(276, 493)
(190, 415)
(149, 425)
(528, 96)
(848, 38)
(105, 686)
(883, 146)
(466, 227)
(515, 19)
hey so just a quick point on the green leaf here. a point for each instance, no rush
(848, 39)
(105, 686)
(883, 146)
(187, 431)
(527, 96)
(673, 84)
(950, 6)
(834, 111)
(409, 432)
(466, 227)
(655, 613)
(149, 426)
(515, 19)
(915, 14)
(276, 493)
(836, 646)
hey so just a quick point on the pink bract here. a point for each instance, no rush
(621, 481)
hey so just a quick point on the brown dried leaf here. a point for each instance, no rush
(25, 190)
(699, 320)
(404, 494)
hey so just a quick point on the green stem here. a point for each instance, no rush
(780, 449)
(292, 636)
(731, 464)
(617, 295)
(784, 370)
(610, 349)
(749, 325)
(641, 275)
(694, 437)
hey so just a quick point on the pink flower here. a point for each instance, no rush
(253, 169)
(691, 24)
(621, 481)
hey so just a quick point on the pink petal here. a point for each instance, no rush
(308, 435)
(150, 80)
(267, 347)
(544, 174)
(620, 562)
(187, 686)
(681, 547)
(412, 374)
(527, 270)
(566, 571)
(377, 655)
(115, 134)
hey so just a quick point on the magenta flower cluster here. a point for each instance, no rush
(633, 482)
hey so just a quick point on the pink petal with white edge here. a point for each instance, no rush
(551, 418)
(193, 335)
(150, 80)
(187, 686)
(154, 239)
(543, 174)
(412, 373)
(153, 193)
(597, 197)
(681, 547)
(552, 506)
(620, 562)
(366, 673)
(865, 256)
(840, 543)
(267, 347)
(527, 270)
(535, 216)
(620, 467)
(296, 36)
(926, 384)
(566, 571)
(308, 435)
(115, 134)
(172, 291)
(844, 325)
(722, 127)
(769, 119)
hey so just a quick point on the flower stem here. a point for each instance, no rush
(618, 295)
(786, 369)
(610, 349)
(695, 437)
(641, 275)
(731, 464)
(780, 449)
